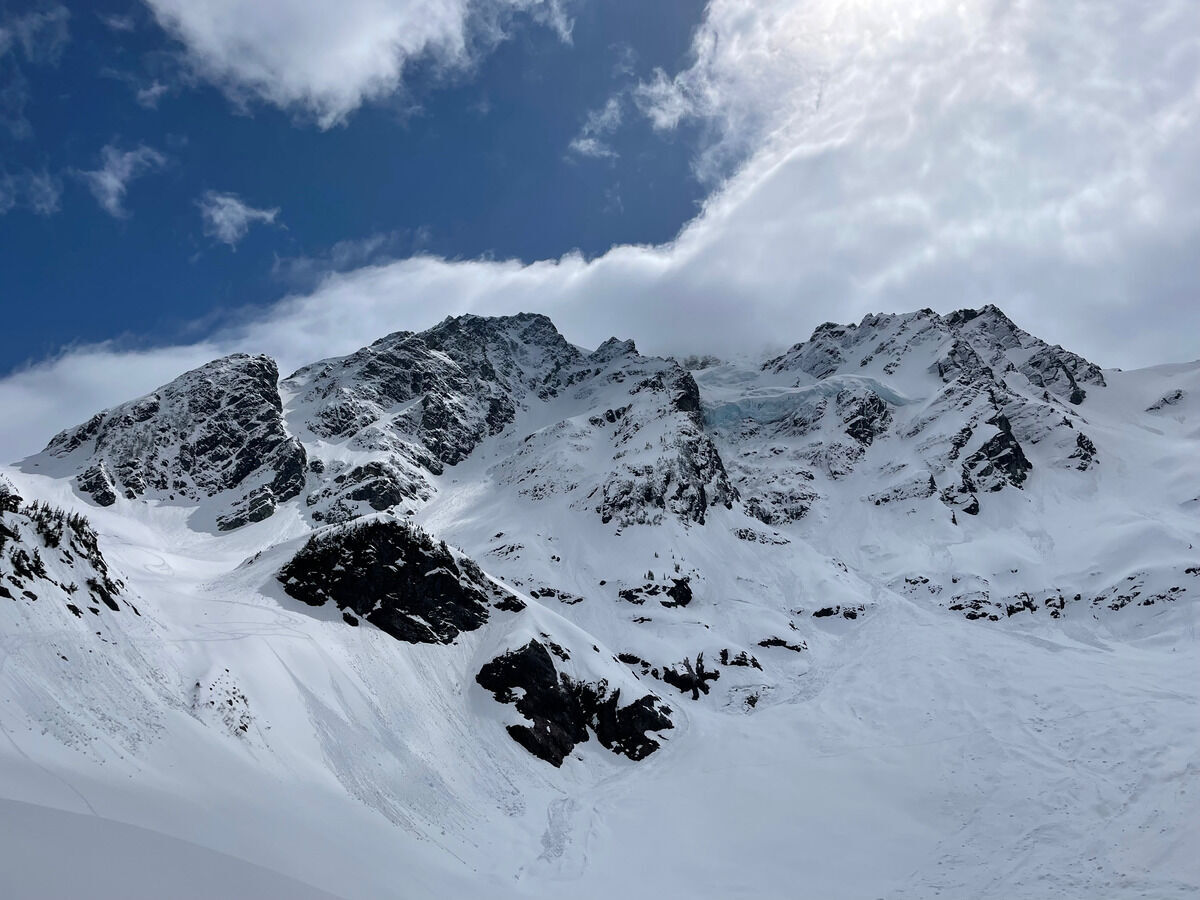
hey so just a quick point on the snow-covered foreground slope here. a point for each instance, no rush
(939, 670)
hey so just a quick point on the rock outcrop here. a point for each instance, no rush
(561, 711)
(395, 576)
(216, 430)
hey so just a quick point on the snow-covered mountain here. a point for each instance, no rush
(906, 610)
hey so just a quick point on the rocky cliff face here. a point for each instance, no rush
(410, 406)
(217, 430)
(420, 402)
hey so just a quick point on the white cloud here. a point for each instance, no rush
(117, 23)
(326, 59)
(1042, 155)
(118, 168)
(42, 34)
(149, 95)
(39, 192)
(37, 37)
(599, 124)
(227, 218)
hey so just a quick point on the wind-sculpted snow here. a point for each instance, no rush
(215, 430)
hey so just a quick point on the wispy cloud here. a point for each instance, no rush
(624, 60)
(118, 23)
(597, 127)
(228, 218)
(32, 38)
(149, 95)
(118, 168)
(41, 34)
(39, 192)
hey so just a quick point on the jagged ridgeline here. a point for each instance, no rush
(629, 523)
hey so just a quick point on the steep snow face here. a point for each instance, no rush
(999, 446)
(929, 405)
(626, 440)
(539, 620)
(217, 430)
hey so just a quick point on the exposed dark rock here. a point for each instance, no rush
(999, 461)
(961, 361)
(95, 481)
(680, 592)
(780, 642)
(561, 596)
(256, 506)
(865, 415)
(457, 383)
(1052, 368)
(846, 612)
(395, 576)
(211, 430)
(760, 537)
(1085, 452)
(742, 658)
(694, 679)
(38, 528)
(917, 488)
(1169, 399)
(561, 710)
(377, 485)
(611, 416)
(1060, 372)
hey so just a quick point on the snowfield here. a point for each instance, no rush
(954, 643)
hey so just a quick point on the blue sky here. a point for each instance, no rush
(180, 179)
(465, 164)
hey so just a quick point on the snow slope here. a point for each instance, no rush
(940, 670)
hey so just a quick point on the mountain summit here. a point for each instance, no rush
(482, 607)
